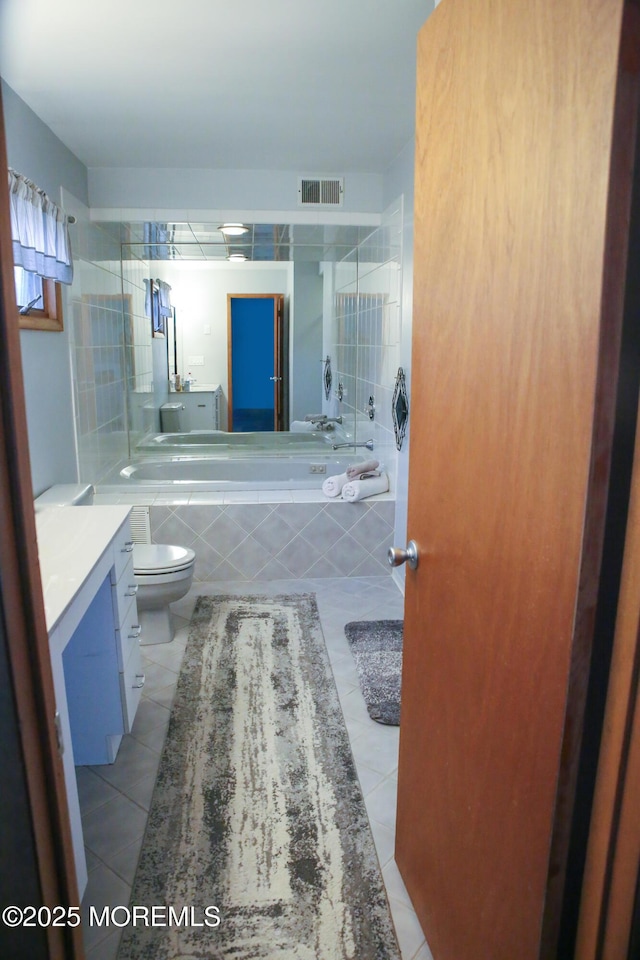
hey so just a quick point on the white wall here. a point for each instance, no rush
(199, 294)
(36, 152)
(124, 191)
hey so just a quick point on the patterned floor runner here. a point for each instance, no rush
(257, 810)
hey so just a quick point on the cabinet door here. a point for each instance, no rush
(199, 408)
(201, 412)
(92, 684)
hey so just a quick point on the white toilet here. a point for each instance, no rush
(163, 573)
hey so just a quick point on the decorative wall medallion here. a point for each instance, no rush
(327, 377)
(400, 408)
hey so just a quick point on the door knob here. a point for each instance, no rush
(396, 556)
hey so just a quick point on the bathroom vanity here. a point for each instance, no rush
(89, 589)
(202, 405)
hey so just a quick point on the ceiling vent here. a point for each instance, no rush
(320, 191)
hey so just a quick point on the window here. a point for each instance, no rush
(39, 302)
(41, 254)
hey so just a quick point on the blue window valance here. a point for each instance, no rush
(40, 231)
(157, 298)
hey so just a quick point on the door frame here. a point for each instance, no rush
(612, 857)
(280, 385)
(613, 851)
(25, 623)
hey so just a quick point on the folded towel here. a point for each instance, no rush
(302, 426)
(367, 487)
(332, 486)
(357, 469)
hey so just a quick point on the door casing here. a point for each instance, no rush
(277, 371)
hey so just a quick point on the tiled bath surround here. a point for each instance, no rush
(280, 541)
(98, 361)
(363, 338)
(117, 368)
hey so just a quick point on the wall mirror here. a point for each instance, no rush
(300, 261)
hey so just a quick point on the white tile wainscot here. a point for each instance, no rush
(89, 599)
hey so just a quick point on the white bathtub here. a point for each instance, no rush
(219, 441)
(233, 473)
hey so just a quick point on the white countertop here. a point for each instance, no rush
(197, 388)
(71, 541)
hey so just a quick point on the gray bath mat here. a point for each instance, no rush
(257, 810)
(376, 646)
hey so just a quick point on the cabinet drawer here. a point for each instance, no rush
(123, 550)
(131, 684)
(127, 635)
(125, 590)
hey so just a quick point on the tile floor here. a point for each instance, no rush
(115, 799)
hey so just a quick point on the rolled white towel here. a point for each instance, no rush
(302, 426)
(357, 469)
(332, 486)
(367, 487)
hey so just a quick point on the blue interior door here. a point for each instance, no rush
(252, 334)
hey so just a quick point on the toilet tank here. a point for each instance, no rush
(172, 418)
(65, 495)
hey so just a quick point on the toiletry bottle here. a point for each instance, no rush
(187, 382)
(178, 383)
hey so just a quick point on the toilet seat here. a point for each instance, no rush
(154, 559)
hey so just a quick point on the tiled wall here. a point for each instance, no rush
(274, 541)
(342, 308)
(119, 369)
(378, 354)
(364, 334)
(143, 404)
(97, 350)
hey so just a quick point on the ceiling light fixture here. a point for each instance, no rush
(233, 229)
(236, 257)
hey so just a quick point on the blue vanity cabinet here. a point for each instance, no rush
(89, 599)
(102, 663)
(91, 678)
(202, 407)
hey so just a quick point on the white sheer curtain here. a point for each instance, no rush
(40, 233)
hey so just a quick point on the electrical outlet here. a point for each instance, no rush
(317, 468)
(195, 361)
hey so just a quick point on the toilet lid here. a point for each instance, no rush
(160, 558)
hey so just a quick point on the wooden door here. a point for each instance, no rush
(520, 232)
(255, 362)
